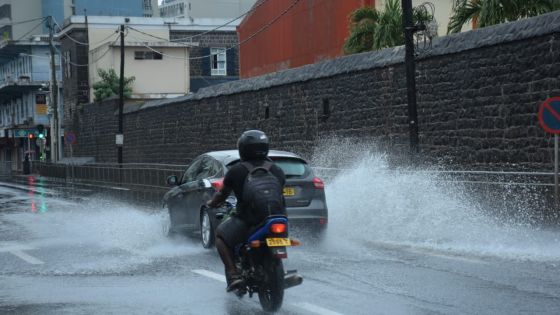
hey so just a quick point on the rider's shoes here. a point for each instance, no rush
(233, 282)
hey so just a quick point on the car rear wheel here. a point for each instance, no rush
(206, 230)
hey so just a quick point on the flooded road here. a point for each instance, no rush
(69, 250)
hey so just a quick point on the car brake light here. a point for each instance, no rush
(318, 183)
(217, 183)
(278, 228)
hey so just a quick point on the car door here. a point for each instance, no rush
(183, 197)
(209, 168)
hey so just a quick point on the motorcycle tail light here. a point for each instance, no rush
(295, 242)
(278, 228)
(255, 244)
(318, 183)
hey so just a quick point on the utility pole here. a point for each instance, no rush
(120, 136)
(409, 30)
(54, 96)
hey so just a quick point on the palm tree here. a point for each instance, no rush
(371, 29)
(363, 22)
(491, 12)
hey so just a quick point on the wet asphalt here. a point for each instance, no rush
(73, 250)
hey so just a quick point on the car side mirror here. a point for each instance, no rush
(172, 180)
(204, 183)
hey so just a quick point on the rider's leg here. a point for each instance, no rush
(229, 233)
(226, 254)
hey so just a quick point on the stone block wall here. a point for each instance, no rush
(478, 97)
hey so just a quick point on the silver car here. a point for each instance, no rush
(304, 194)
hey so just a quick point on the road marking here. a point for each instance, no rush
(304, 305)
(315, 309)
(30, 259)
(210, 274)
(17, 250)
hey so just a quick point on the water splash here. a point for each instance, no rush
(127, 236)
(371, 201)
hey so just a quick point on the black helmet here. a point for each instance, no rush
(253, 144)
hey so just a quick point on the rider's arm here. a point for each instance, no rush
(219, 197)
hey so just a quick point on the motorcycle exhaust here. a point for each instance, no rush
(291, 279)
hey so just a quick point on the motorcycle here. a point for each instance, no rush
(259, 261)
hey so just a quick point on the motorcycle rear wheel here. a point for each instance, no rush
(271, 292)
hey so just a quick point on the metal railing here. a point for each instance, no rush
(459, 176)
(137, 175)
(154, 175)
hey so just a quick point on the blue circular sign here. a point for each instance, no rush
(70, 138)
(549, 115)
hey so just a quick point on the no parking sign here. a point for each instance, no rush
(549, 115)
(549, 118)
(70, 138)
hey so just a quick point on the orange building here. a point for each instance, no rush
(311, 31)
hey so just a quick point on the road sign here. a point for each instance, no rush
(549, 118)
(70, 138)
(549, 115)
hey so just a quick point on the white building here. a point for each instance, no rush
(160, 67)
(193, 9)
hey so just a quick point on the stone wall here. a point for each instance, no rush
(478, 96)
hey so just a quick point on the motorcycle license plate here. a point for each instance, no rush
(276, 241)
(289, 191)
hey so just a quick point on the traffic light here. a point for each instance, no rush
(31, 136)
(41, 130)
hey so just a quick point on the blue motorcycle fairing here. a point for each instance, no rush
(263, 231)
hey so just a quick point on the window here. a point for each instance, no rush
(191, 171)
(209, 168)
(218, 61)
(147, 55)
(293, 168)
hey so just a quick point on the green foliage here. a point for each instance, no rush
(109, 85)
(492, 12)
(371, 29)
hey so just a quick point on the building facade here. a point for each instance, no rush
(193, 9)
(215, 58)
(311, 31)
(13, 12)
(25, 104)
(167, 58)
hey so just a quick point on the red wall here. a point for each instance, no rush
(312, 31)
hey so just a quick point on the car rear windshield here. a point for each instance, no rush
(292, 167)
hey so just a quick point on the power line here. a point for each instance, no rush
(263, 28)
(269, 23)
(159, 52)
(82, 43)
(22, 22)
(96, 60)
(223, 25)
(31, 30)
(189, 38)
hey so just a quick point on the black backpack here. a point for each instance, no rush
(262, 193)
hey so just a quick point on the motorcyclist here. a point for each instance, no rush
(253, 148)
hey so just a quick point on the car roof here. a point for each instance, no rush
(229, 156)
